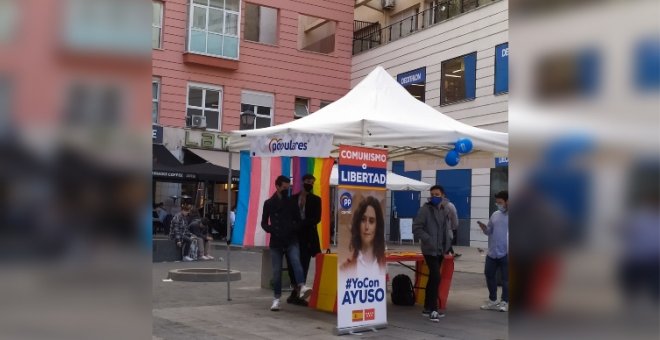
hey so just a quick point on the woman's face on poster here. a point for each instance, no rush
(368, 226)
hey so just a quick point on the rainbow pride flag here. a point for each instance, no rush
(320, 168)
(257, 184)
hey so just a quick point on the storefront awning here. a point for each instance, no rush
(207, 164)
(167, 168)
(219, 158)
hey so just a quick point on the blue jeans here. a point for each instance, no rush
(292, 253)
(490, 271)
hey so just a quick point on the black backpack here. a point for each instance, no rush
(403, 293)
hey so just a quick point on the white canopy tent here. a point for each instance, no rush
(394, 181)
(379, 112)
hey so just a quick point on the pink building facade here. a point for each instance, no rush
(213, 60)
(271, 63)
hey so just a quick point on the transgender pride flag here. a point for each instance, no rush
(257, 184)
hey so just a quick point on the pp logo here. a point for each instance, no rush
(346, 201)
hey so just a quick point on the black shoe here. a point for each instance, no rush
(457, 255)
(426, 312)
(292, 298)
(300, 302)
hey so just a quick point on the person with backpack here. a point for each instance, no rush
(200, 229)
(433, 227)
(453, 220)
(180, 233)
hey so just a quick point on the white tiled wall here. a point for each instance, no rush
(479, 207)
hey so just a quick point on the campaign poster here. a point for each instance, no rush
(361, 286)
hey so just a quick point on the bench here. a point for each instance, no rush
(165, 250)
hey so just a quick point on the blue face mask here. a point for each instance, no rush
(435, 200)
(501, 207)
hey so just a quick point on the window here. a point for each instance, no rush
(469, 5)
(502, 68)
(414, 82)
(204, 100)
(5, 100)
(567, 74)
(93, 104)
(260, 24)
(213, 27)
(402, 24)
(155, 99)
(157, 25)
(301, 107)
(9, 20)
(325, 103)
(647, 64)
(316, 34)
(102, 26)
(261, 104)
(458, 79)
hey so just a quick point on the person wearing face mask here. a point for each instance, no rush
(498, 249)
(433, 227)
(281, 220)
(309, 210)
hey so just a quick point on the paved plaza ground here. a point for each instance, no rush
(193, 310)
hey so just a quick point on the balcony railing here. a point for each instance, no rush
(369, 35)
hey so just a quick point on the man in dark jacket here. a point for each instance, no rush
(309, 210)
(281, 220)
(432, 226)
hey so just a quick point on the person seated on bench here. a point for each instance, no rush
(180, 233)
(200, 229)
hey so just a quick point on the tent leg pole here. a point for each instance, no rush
(228, 236)
(334, 202)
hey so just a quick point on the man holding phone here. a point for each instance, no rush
(498, 249)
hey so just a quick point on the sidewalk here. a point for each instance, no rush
(186, 310)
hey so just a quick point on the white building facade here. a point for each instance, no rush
(453, 55)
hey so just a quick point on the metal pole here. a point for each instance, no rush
(228, 237)
(334, 203)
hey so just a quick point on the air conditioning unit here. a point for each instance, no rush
(198, 121)
(387, 4)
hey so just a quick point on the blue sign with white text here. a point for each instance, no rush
(502, 68)
(359, 176)
(156, 134)
(501, 161)
(417, 76)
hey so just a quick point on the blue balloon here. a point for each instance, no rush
(452, 158)
(464, 145)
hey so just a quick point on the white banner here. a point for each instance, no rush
(361, 285)
(293, 145)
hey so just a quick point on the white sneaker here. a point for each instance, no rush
(209, 257)
(187, 259)
(504, 306)
(204, 257)
(275, 306)
(491, 305)
(435, 316)
(305, 292)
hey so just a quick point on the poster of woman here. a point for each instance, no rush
(362, 268)
(366, 248)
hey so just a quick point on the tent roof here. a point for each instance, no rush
(380, 112)
(394, 181)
